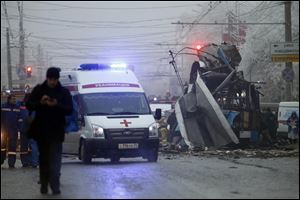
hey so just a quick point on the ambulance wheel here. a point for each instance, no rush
(85, 154)
(3, 156)
(152, 155)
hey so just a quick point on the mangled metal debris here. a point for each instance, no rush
(201, 120)
(214, 90)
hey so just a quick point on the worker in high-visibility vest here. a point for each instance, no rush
(10, 121)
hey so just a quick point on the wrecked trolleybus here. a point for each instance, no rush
(219, 106)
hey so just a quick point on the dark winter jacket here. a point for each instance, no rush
(10, 116)
(49, 122)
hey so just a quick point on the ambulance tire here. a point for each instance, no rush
(3, 156)
(85, 154)
(152, 155)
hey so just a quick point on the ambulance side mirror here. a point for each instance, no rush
(157, 115)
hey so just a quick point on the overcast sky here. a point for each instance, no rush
(105, 30)
(113, 31)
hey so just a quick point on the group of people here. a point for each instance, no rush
(51, 103)
(271, 125)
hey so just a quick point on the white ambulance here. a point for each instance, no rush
(112, 114)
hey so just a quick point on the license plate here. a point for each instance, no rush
(129, 146)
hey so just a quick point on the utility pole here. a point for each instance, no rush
(9, 74)
(22, 40)
(237, 21)
(288, 38)
(40, 62)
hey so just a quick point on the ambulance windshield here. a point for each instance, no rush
(115, 103)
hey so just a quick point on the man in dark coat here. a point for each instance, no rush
(51, 103)
(271, 122)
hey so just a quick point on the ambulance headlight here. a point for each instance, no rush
(153, 130)
(98, 131)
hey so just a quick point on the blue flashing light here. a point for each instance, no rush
(118, 66)
(93, 66)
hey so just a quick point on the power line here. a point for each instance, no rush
(95, 23)
(114, 46)
(220, 23)
(78, 50)
(83, 55)
(264, 16)
(103, 22)
(212, 7)
(159, 26)
(112, 38)
(41, 9)
(115, 8)
(256, 10)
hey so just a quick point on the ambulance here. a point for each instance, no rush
(111, 117)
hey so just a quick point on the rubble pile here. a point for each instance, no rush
(248, 153)
(280, 148)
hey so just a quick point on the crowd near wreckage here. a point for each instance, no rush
(218, 107)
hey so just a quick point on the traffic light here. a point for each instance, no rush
(198, 47)
(28, 71)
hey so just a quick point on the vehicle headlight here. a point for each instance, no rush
(243, 93)
(153, 130)
(98, 131)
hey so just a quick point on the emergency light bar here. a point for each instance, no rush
(95, 66)
(118, 66)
